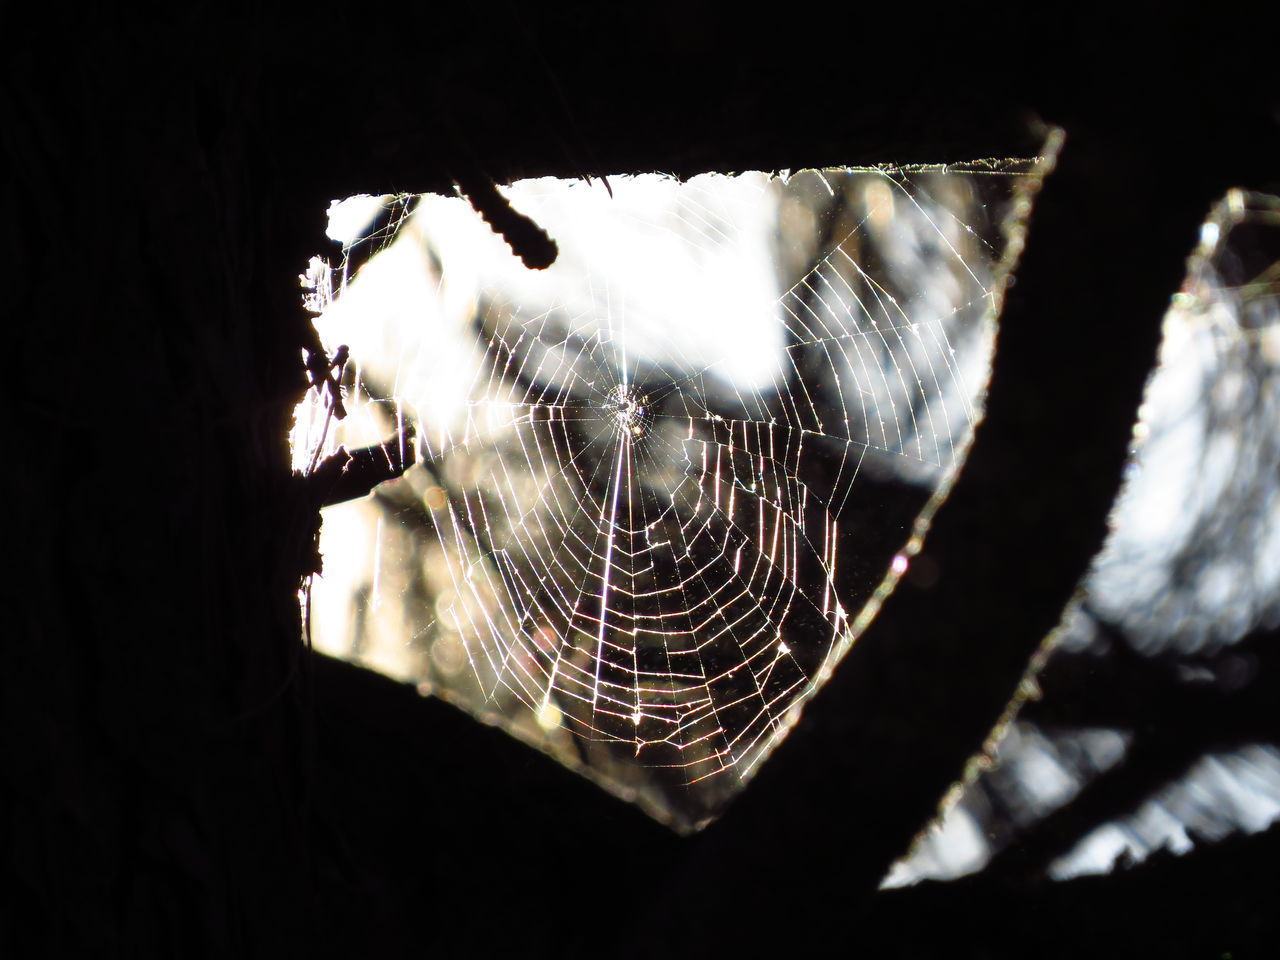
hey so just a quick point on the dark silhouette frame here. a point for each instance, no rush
(182, 779)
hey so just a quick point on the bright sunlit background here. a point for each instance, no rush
(854, 313)
(662, 485)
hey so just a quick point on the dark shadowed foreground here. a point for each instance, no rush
(182, 779)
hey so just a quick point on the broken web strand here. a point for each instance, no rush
(634, 541)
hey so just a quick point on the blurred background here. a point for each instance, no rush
(1146, 723)
(1154, 724)
(691, 458)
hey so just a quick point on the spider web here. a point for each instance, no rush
(662, 485)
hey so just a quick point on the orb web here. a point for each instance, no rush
(662, 485)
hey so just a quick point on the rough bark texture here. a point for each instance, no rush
(180, 780)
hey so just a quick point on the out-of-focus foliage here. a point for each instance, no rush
(1156, 727)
